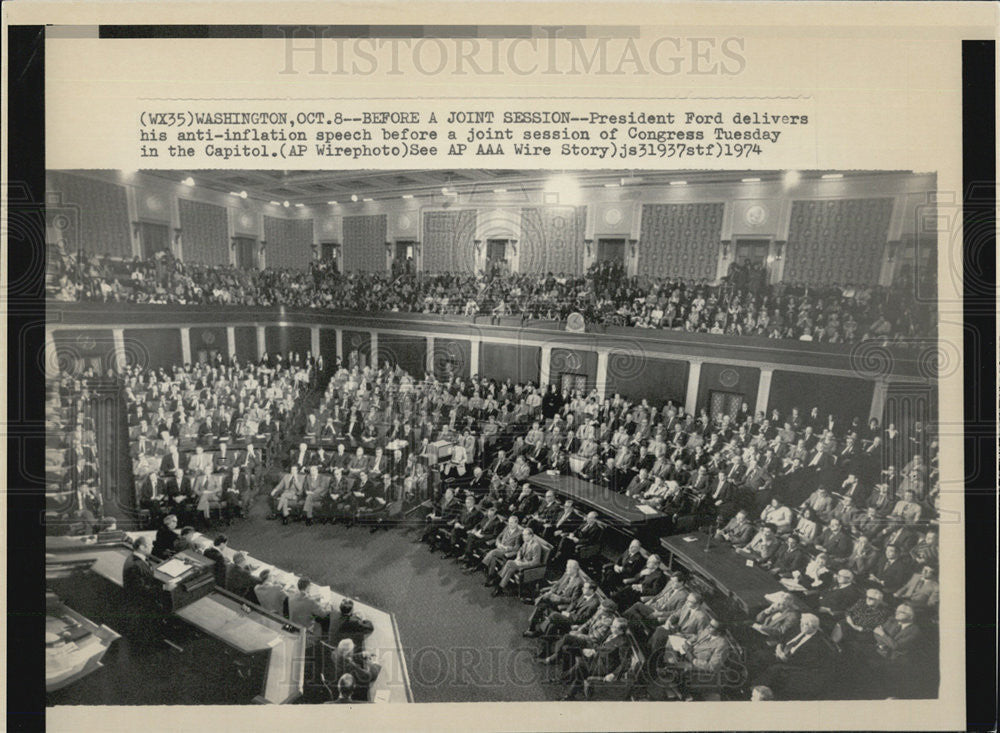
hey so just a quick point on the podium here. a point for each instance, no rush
(192, 575)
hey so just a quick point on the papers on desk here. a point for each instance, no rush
(381, 696)
(645, 509)
(691, 538)
(173, 568)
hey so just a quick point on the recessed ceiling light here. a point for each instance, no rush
(354, 197)
(285, 204)
(499, 190)
(407, 195)
(243, 194)
(791, 178)
(299, 206)
(751, 180)
(830, 176)
(678, 183)
(189, 181)
(366, 199)
(332, 203)
(275, 203)
(612, 185)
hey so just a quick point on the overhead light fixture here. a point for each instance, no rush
(444, 190)
(631, 181)
(299, 206)
(275, 203)
(751, 180)
(407, 195)
(832, 176)
(499, 190)
(791, 178)
(678, 183)
(366, 199)
(332, 203)
(354, 197)
(243, 194)
(189, 181)
(285, 204)
(612, 185)
(449, 192)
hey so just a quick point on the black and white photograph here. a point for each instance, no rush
(475, 435)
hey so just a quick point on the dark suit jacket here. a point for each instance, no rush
(350, 626)
(490, 528)
(137, 576)
(240, 582)
(631, 564)
(583, 608)
(220, 565)
(652, 583)
(612, 657)
(588, 534)
(163, 545)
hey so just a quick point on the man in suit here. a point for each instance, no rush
(580, 541)
(305, 611)
(647, 583)
(270, 594)
(562, 620)
(835, 601)
(649, 611)
(528, 555)
(738, 530)
(763, 546)
(788, 558)
(523, 505)
(315, 488)
(460, 527)
(358, 462)
(804, 665)
(214, 553)
(898, 650)
(627, 565)
(701, 656)
(687, 621)
(141, 590)
(442, 517)
(178, 488)
(608, 660)
(172, 460)
(224, 459)
(893, 570)
(921, 590)
(346, 660)
(558, 594)
(546, 514)
(349, 625)
(506, 545)
(239, 580)
(166, 536)
(137, 573)
(484, 533)
(287, 495)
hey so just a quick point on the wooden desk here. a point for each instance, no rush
(722, 567)
(66, 662)
(616, 509)
(222, 616)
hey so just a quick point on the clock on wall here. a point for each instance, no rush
(755, 215)
(404, 222)
(612, 216)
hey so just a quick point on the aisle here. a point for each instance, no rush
(461, 645)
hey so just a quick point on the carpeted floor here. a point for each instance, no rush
(460, 644)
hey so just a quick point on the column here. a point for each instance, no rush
(543, 369)
(602, 373)
(119, 360)
(878, 400)
(231, 341)
(340, 344)
(185, 345)
(429, 357)
(474, 343)
(261, 342)
(374, 360)
(764, 390)
(314, 342)
(694, 377)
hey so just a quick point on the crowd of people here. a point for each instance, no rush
(740, 305)
(819, 504)
(201, 436)
(73, 476)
